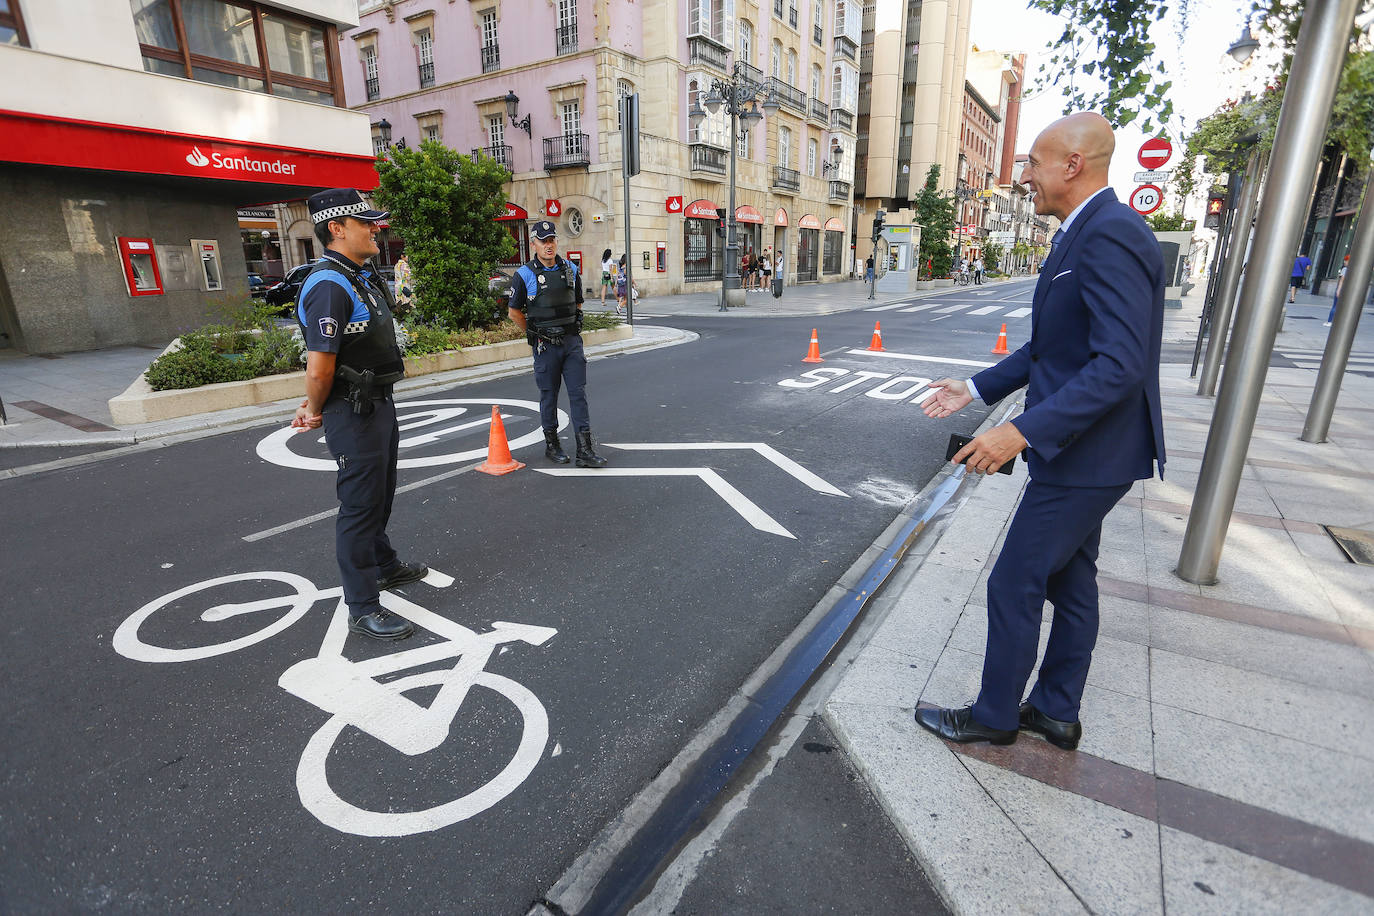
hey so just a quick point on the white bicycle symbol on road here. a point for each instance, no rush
(352, 695)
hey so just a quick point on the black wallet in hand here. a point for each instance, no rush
(957, 442)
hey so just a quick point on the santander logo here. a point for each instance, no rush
(218, 160)
(197, 158)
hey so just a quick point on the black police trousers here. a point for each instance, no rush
(364, 448)
(562, 364)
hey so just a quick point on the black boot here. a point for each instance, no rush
(586, 458)
(553, 448)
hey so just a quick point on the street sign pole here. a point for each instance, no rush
(1222, 306)
(1316, 69)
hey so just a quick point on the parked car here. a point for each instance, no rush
(257, 286)
(285, 292)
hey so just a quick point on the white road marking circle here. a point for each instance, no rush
(274, 447)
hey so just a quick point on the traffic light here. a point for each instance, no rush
(720, 221)
(1216, 205)
(878, 223)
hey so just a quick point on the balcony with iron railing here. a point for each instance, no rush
(704, 50)
(820, 111)
(839, 190)
(846, 47)
(788, 95)
(841, 119)
(785, 179)
(374, 88)
(566, 151)
(709, 159)
(491, 58)
(427, 74)
(497, 152)
(565, 39)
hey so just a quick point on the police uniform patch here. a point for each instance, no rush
(329, 327)
(542, 280)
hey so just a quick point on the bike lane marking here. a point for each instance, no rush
(274, 448)
(814, 481)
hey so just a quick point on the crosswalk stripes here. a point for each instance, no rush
(922, 308)
(985, 310)
(886, 308)
(1305, 358)
(1019, 313)
(958, 306)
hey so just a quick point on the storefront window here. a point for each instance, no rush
(703, 253)
(834, 244)
(807, 242)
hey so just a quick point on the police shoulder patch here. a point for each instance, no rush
(329, 327)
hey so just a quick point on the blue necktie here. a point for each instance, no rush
(1058, 237)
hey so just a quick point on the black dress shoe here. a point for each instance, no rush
(381, 625)
(402, 575)
(1060, 734)
(959, 725)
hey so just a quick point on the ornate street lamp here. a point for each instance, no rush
(512, 106)
(1243, 46)
(738, 96)
(383, 128)
(833, 163)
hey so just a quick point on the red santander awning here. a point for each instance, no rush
(700, 209)
(748, 214)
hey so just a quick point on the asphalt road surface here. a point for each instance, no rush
(187, 728)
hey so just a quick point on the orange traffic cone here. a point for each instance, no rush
(1001, 348)
(813, 355)
(499, 460)
(877, 344)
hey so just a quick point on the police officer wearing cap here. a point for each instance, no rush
(546, 303)
(344, 311)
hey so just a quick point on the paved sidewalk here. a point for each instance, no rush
(1228, 750)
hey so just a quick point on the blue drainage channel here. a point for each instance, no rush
(675, 817)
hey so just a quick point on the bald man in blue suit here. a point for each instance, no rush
(1091, 427)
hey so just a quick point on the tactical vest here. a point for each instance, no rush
(552, 303)
(369, 337)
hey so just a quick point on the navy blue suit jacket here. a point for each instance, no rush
(1092, 413)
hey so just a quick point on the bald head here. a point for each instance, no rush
(1069, 162)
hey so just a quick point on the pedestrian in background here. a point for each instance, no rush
(546, 303)
(1091, 427)
(868, 269)
(766, 266)
(344, 312)
(779, 276)
(607, 274)
(1336, 297)
(1300, 266)
(978, 271)
(405, 286)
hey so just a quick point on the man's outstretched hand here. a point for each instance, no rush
(951, 396)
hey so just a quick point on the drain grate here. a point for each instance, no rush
(1357, 543)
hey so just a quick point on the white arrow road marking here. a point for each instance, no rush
(767, 451)
(736, 500)
(922, 359)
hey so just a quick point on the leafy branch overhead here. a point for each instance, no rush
(1108, 41)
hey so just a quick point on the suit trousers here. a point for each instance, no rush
(1050, 553)
(365, 449)
(556, 365)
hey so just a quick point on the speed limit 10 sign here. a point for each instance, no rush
(1146, 199)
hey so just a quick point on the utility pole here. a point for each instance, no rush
(1316, 70)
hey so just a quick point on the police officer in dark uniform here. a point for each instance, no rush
(344, 310)
(546, 302)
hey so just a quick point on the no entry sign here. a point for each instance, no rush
(1146, 199)
(1155, 152)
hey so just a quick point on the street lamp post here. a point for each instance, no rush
(735, 94)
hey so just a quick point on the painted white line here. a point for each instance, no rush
(923, 359)
(988, 293)
(734, 498)
(952, 308)
(886, 308)
(985, 310)
(922, 308)
(767, 451)
(1019, 313)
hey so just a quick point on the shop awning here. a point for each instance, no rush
(747, 214)
(834, 224)
(809, 221)
(700, 209)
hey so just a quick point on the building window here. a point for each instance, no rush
(816, 83)
(811, 157)
(623, 90)
(791, 67)
(817, 17)
(744, 50)
(371, 76)
(424, 44)
(574, 222)
(432, 132)
(742, 144)
(12, 24)
(785, 147)
(491, 52)
(572, 124)
(223, 41)
(775, 60)
(566, 35)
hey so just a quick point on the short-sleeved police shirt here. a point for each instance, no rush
(519, 296)
(327, 308)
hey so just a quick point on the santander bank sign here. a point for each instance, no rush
(239, 163)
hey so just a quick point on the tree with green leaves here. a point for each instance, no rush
(443, 204)
(992, 256)
(1170, 222)
(935, 215)
(1110, 40)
